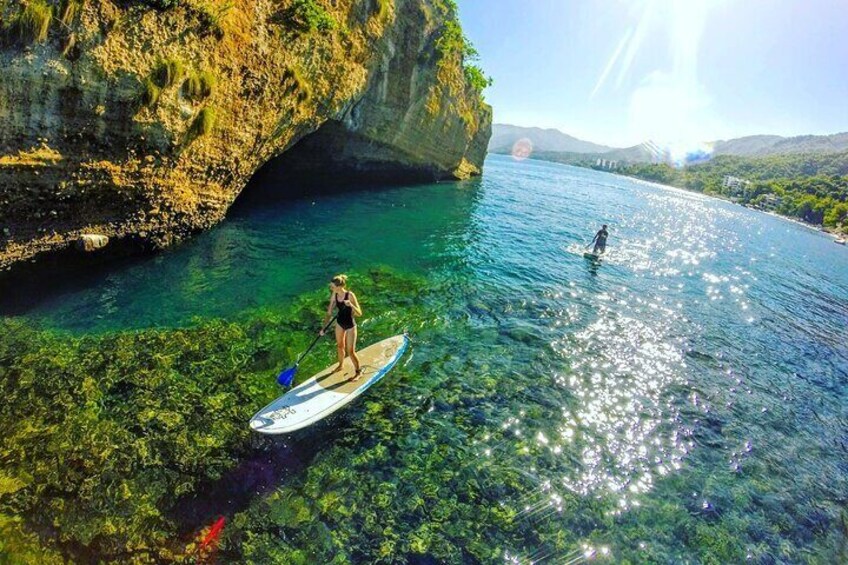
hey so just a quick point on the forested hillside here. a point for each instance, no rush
(811, 187)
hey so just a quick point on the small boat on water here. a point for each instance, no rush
(840, 240)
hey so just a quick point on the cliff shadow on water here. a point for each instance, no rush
(27, 284)
(330, 161)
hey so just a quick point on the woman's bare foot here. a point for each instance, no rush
(338, 368)
(356, 375)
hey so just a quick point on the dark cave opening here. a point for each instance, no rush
(332, 160)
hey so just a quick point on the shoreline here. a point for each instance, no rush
(814, 227)
(835, 233)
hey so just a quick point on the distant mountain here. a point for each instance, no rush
(635, 154)
(744, 146)
(762, 145)
(553, 145)
(504, 137)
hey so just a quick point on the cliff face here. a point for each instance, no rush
(123, 120)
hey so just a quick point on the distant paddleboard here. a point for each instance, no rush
(328, 391)
(592, 256)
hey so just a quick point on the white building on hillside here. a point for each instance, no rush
(736, 185)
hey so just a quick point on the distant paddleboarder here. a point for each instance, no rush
(600, 240)
(348, 306)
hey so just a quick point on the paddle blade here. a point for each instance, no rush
(287, 376)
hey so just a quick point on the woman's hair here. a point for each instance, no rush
(339, 280)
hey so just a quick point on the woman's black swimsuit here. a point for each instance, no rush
(345, 317)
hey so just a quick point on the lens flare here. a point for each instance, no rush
(678, 154)
(522, 149)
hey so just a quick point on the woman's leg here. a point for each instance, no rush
(350, 342)
(340, 346)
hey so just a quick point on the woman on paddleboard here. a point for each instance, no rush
(347, 304)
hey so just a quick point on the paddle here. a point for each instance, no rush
(287, 376)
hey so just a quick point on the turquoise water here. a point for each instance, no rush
(684, 400)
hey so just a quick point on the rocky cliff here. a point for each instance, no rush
(143, 121)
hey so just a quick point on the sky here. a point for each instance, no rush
(676, 72)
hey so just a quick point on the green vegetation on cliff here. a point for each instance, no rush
(453, 45)
(163, 4)
(382, 9)
(295, 83)
(24, 23)
(199, 85)
(309, 15)
(69, 11)
(150, 93)
(27, 22)
(205, 121)
(168, 72)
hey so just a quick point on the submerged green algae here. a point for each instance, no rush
(429, 492)
(100, 435)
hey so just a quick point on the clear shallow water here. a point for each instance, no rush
(685, 400)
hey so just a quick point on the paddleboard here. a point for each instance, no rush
(328, 391)
(593, 256)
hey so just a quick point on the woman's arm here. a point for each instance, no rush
(354, 303)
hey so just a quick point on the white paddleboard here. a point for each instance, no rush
(328, 391)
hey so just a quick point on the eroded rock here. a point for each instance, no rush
(89, 242)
